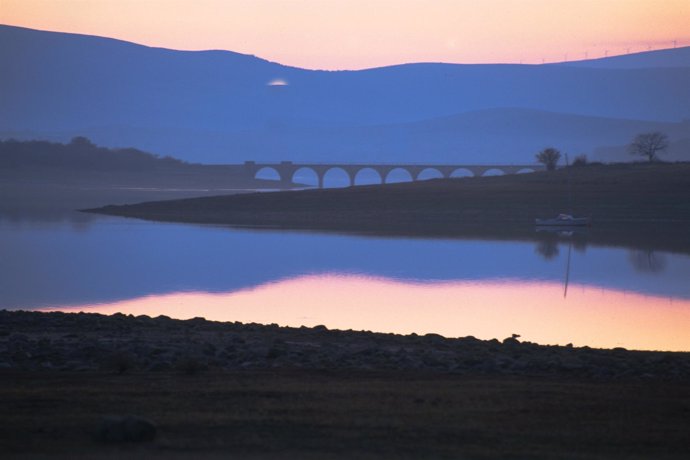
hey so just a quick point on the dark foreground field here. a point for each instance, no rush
(230, 390)
(310, 414)
(630, 204)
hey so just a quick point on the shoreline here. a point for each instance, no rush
(57, 341)
(212, 390)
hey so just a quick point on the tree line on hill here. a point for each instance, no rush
(80, 154)
(648, 145)
(83, 155)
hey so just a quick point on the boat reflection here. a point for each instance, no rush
(592, 316)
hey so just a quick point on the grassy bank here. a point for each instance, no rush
(630, 204)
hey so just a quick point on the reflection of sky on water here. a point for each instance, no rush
(485, 309)
(115, 259)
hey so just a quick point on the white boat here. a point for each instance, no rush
(564, 220)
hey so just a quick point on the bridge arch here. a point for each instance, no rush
(398, 174)
(493, 172)
(307, 176)
(343, 174)
(429, 173)
(268, 173)
(462, 172)
(336, 177)
(367, 176)
(525, 170)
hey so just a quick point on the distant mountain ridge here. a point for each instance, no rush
(218, 106)
(675, 57)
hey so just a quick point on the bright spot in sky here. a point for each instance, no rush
(277, 82)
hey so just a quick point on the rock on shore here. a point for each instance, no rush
(37, 341)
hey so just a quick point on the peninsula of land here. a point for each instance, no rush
(629, 204)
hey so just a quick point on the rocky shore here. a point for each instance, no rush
(55, 342)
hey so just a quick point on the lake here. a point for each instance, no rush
(554, 290)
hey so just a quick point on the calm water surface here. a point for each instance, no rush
(488, 289)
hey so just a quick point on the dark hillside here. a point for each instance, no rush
(80, 155)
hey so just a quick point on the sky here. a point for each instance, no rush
(356, 34)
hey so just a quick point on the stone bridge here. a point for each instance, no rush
(286, 170)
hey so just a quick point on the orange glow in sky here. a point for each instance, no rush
(353, 34)
(538, 311)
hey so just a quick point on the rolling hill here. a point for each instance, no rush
(219, 106)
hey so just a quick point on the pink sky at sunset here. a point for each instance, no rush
(354, 34)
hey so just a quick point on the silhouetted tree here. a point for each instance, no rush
(580, 160)
(547, 248)
(647, 261)
(649, 145)
(81, 141)
(549, 157)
